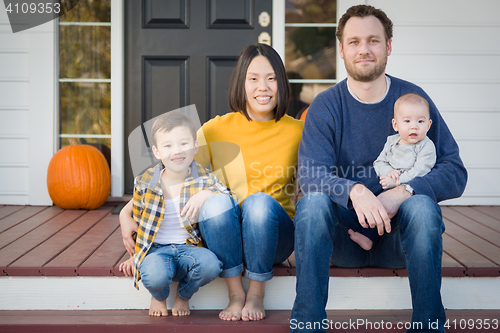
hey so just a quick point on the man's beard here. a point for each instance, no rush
(362, 76)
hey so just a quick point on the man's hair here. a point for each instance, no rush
(168, 121)
(237, 95)
(411, 98)
(364, 11)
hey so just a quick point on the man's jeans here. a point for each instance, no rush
(415, 242)
(192, 266)
(260, 234)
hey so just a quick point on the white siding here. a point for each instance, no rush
(26, 112)
(450, 49)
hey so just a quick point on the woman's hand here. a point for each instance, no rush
(128, 227)
(193, 206)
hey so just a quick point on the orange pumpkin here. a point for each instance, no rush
(78, 178)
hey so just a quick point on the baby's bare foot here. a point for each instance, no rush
(181, 307)
(233, 310)
(157, 308)
(254, 308)
(360, 239)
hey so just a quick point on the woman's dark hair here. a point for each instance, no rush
(237, 96)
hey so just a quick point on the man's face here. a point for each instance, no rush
(364, 48)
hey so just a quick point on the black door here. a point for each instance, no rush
(182, 52)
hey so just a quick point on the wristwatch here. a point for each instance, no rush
(409, 189)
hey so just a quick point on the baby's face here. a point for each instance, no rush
(412, 122)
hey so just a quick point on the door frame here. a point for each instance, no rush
(118, 142)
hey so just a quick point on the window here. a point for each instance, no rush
(85, 75)
(310, 49)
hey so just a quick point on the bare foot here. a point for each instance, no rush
(236, 294)
(233, 310)
(157, 308)
(360, 239)
(180, 307)
(254, 308)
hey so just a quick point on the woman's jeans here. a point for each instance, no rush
(259, 234)
(192, 266)
(321, 238)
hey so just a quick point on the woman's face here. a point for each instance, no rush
(261, 89)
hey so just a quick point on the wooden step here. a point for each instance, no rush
(207, 321)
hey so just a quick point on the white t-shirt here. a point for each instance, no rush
(171, 230)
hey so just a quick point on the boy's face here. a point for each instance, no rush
(176, 148)
(412, 122)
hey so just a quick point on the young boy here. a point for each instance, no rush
(406, 155)
(166, 203)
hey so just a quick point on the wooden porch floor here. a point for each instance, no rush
(49, 241)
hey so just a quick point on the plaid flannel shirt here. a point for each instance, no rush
(149, 206)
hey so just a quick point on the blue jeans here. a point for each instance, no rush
(259, 234)
(192, 266)
(415, 242)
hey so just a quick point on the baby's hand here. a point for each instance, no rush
(387, 182)
(127, 267)
(193, 206)
(394, 174)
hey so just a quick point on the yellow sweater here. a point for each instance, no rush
(252, 156)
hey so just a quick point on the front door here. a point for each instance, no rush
(182, 52)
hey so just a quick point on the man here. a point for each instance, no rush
(345, 130)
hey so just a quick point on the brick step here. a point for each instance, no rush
(207, 321)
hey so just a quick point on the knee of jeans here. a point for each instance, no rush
(313, 212)
(156, 281)
(211, 268)
(256, 207)
(423, 215)
(216, 205)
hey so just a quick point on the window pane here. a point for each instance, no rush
(85, 108)
(85, 52)
(310, 90)
(311, 11)
(88, 11)
(311, 52)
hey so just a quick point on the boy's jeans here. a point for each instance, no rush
(415, 242)
(192, 266)
(261, 233)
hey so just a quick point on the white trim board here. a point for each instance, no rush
(348, 293)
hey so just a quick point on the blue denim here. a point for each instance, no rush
(415, 242)
(192, 266)
(259, 234)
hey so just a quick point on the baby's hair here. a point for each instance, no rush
(411, 98)
(170, 120)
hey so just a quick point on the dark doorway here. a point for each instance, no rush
(182, 52)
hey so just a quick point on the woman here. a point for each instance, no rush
(254, 150)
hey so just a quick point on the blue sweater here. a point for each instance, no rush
(343, 137)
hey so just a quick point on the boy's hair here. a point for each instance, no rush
(411, 98)
(364, 11)
(237, 96)
(169, 120)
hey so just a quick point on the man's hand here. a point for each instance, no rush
(369, 209)
(393, 198)
(127, 267)
(193, 206)
(128, 227)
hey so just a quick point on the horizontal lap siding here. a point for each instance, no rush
(14, 105)
(448, 48)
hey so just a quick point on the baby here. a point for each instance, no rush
(406, 155)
